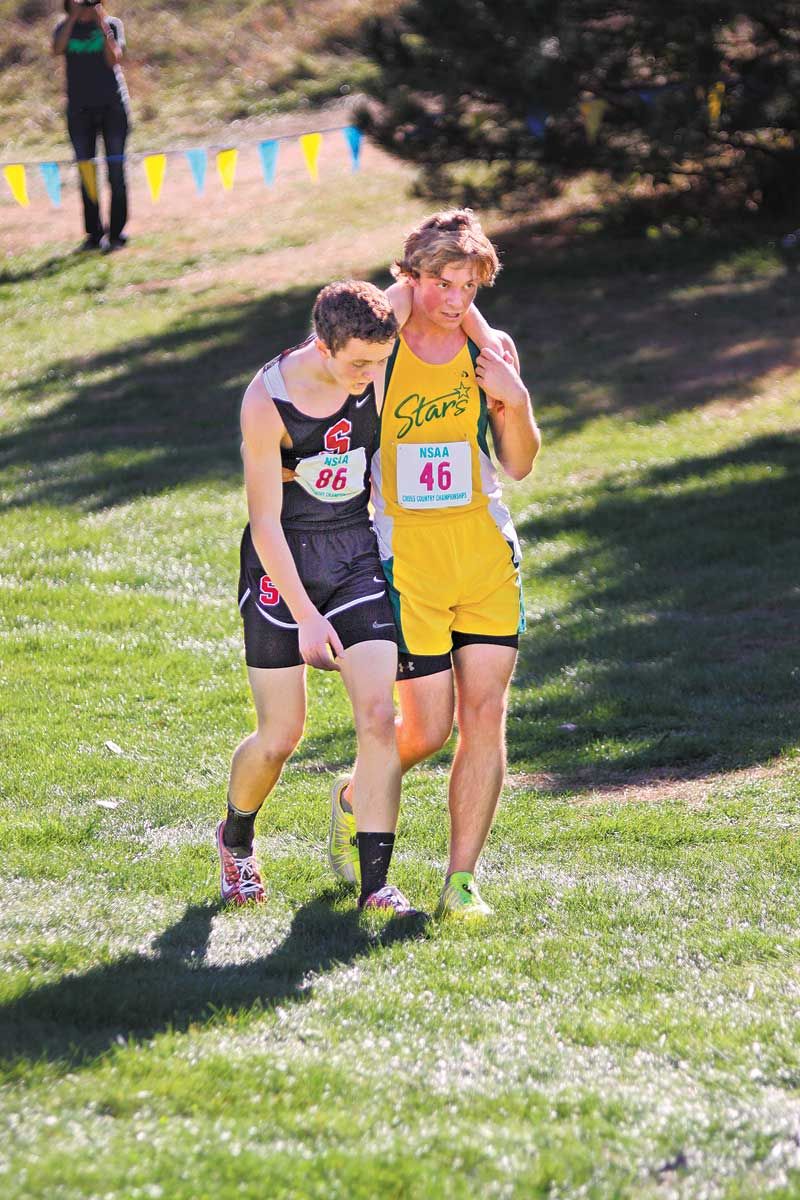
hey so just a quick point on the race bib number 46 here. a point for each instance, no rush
(434, 474)
(333, 477)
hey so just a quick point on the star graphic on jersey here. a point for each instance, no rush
(462, 391)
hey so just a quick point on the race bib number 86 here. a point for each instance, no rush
(434, 474)
(333, 477)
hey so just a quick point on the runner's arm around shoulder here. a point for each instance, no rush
(514, 430)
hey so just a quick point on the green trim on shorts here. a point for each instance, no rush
(394, 599)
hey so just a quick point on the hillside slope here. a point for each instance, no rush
(190, 68)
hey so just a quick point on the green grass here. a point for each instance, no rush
(627, 1025)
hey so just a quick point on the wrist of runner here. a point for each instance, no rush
(519, 398)
(303, 614)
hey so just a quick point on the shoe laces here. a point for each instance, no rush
(243, 872)
(388, 897)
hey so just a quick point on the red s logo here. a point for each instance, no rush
(337, 439)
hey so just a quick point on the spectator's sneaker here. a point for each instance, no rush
(342, 845)
(88, 244)
(390, 897)
(240, 881)
(460, 898)
(108, 245)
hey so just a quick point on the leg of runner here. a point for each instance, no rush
(280, 700)
(483, 673)
(426, 717)
(368, 671)
(279, 696)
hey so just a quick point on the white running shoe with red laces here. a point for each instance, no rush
(390, 897)
(240, 882)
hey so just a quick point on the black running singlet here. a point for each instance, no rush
(330, 458)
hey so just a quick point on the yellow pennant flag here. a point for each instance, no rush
(310, 145)
(714, 99)
(592, 112)
(89, 178)
(15, 178)
(226, 165)
(155, 166)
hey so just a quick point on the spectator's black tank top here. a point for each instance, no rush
(330, 457)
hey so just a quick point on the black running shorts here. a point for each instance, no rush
(341, 571)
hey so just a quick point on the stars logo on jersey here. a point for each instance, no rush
(337, 438)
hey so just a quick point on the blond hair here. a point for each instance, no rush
(453, 236)
(353, 309)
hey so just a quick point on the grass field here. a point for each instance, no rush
(628, 1024)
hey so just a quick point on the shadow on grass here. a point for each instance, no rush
(162, 411)
(615, 328)
(82, 1016)
(152, 414)
(678, 643)
(42, 270)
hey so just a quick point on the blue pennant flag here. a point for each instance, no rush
(354, 137)
(52, 181)
(198, 161)
(536, 123)
(269, 158)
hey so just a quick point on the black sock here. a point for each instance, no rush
(237, 832)
(374, 855)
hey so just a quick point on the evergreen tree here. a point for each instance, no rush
(701, 96)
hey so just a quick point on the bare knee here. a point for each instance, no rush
(418, 742)
(484, 715)
(375, 719)
(275, 747)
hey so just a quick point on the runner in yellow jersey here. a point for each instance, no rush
(446, 539)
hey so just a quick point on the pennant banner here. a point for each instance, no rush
(714, 101)
(15, 178)
(89, 178)
(592, 112)
(268, 153)
(155, 168)
(198, 161)
(52, 181)
(310, 145)
(226, 166)
(353, 137)
(536, 123)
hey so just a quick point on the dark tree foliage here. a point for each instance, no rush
(509, 85)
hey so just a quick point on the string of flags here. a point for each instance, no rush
(155, 166)
(593, 109)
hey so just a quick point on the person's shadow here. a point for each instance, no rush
(79, 1017)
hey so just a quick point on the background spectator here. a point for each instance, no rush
(97, 103)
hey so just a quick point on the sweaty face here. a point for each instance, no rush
(358, 363)
(445, 297)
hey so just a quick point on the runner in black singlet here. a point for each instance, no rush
(311, 589)
(326, 522)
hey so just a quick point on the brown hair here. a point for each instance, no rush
(448, 237)
(353, 309)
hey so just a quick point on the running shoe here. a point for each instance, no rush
(460, 898)
(390, 897)
(342, 845)
(240, 881)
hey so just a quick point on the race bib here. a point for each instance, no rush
(333, 477)
(434, 474)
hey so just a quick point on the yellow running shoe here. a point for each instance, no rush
(342, 846)
(460, 898)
